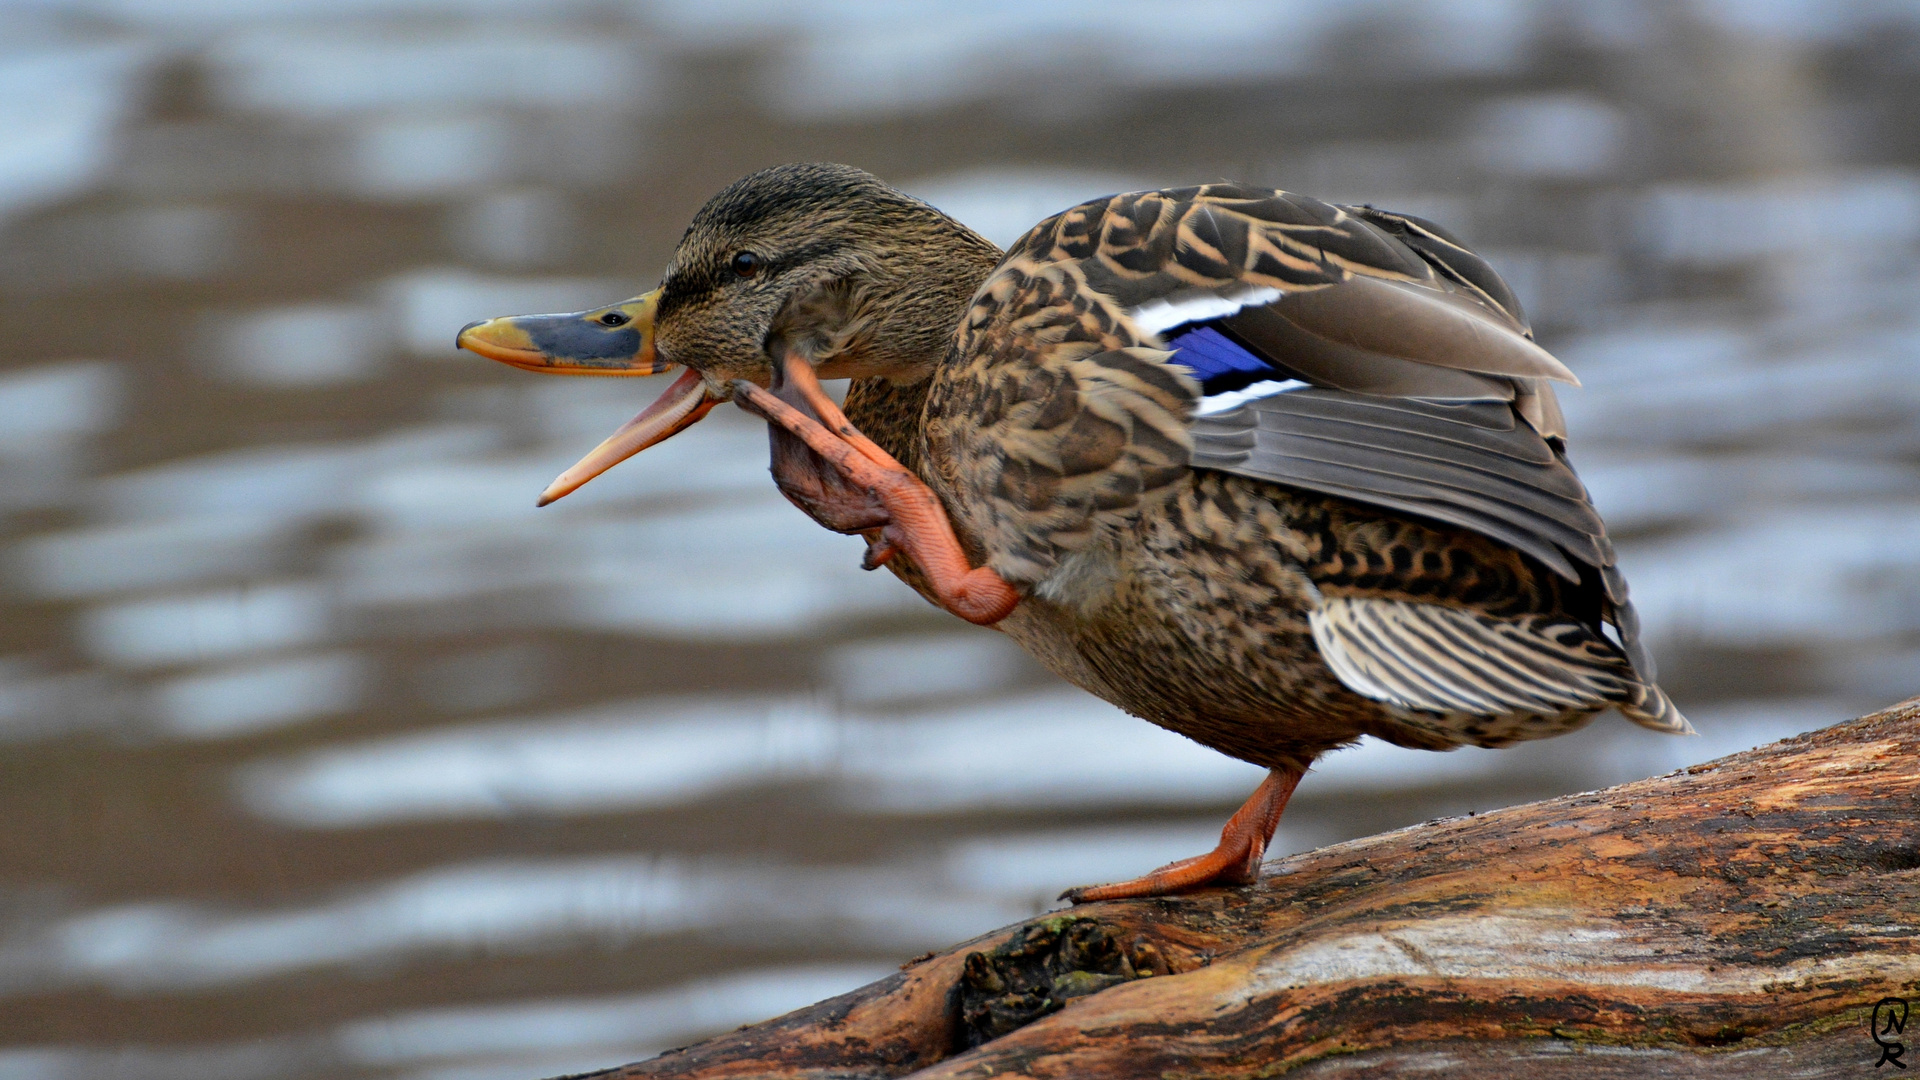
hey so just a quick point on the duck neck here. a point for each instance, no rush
(889, 414)
(919, 325)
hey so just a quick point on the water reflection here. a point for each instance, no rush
(248, 698)
(529, 1038)
(622, 1029)
(501, 907)
(993, 753)
(325, 754)
(47, 414)
(214, 625)
(300, 345)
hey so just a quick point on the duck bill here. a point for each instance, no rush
(683, 405)
(615, 340)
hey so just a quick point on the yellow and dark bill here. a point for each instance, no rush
(615, 340)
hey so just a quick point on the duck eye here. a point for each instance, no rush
(745, 264)
(614, 318)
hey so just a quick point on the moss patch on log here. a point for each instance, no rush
(1042, 967)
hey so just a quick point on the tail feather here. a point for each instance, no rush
(1656, 711)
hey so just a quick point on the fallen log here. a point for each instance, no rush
(1759, 913)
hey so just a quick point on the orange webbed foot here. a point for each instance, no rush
(1235, 861)
(862, 488)
(822, 491)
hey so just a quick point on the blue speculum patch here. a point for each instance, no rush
(1219, 362)
(574, 337)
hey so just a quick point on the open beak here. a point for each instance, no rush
(615, 340)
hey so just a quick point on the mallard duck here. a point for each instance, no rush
(1267, 471)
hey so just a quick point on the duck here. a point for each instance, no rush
(1270, 472)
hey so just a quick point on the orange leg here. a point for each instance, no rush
(821, 491)
(916, 523)
(1236, 861)
(801, 375)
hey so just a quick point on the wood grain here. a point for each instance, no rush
(1745, 914)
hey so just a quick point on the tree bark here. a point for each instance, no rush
(1747, 914)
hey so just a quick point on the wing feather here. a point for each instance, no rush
(1298, 352)
(1385, 473)
(1449, 257)
(1426, 393)
(1447, 659)
(1468, 465)
(1418, 322)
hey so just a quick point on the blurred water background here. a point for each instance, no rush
(322, 753)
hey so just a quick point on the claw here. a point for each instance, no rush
(879, 552)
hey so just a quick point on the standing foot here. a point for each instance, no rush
(1236, 861)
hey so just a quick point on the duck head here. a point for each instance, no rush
(816, 264)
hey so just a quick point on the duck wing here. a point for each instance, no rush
(1345, 350)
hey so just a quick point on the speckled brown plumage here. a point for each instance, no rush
(1062, 440)
(1266, 471)
(1207, 632)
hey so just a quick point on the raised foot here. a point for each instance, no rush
(821, 491)
(1235, 861)
(863, 489)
